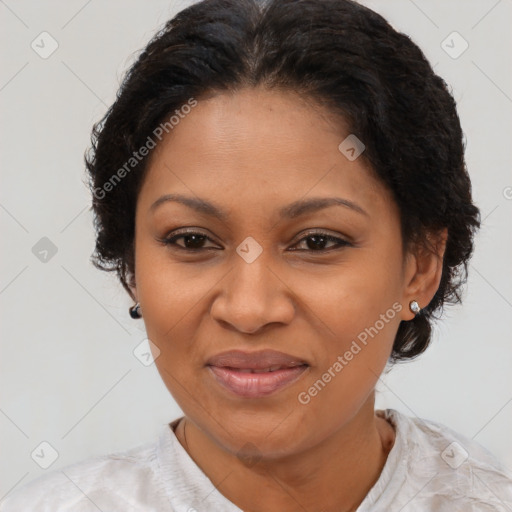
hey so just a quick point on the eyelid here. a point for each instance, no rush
(167, 239)
(318, 231)
(339, 240)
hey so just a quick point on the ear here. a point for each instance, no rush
(133, 293)
(132, 287)
(423, 271)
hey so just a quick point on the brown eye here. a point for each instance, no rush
(192, 241)
(315, 242)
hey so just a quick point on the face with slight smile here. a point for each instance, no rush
(256, 280)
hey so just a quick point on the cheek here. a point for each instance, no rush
(360, 314)
(355, 352)
(356, 297)
(168, 290)
(175, 296)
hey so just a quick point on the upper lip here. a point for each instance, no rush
(254, 360)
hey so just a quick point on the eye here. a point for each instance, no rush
(192, 241)
(318, 240)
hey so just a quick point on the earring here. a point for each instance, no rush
(414, 307)
(135, 311)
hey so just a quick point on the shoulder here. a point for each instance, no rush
(101, 482)
(446, 467)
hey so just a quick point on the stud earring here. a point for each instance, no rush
(135, 311)
(414, 307)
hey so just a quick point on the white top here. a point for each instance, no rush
(429, 468)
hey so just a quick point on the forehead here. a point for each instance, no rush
(257, 148)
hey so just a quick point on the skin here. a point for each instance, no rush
(252, 153)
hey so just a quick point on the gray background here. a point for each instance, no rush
(68, 373)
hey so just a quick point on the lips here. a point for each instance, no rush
(256, 374)
(264, 360)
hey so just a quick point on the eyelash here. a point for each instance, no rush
(170, 241)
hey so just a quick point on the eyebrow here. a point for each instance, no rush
(291, 211)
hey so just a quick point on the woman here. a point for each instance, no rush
(281, 189)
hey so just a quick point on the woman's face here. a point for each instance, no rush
(263, 276)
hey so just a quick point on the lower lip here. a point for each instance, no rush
(255, 385)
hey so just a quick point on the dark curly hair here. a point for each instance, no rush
(337, 53)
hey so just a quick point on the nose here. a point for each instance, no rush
(253, 296)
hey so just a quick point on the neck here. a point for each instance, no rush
(334, 475)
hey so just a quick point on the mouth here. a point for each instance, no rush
(257, 374)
